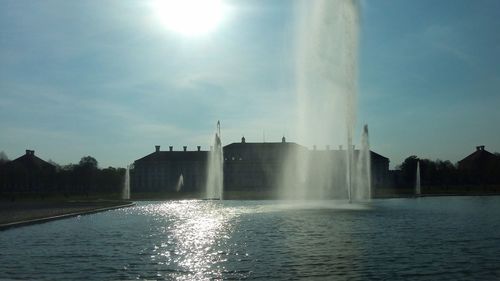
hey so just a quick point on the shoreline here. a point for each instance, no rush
(29, 216)
(395, 196)
(13, 215)
(435, 195)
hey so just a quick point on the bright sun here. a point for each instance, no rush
(190, 17)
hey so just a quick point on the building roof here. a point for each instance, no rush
(252, 150)
(376, 155)
(262, 145)
(175, 156)
(30, 161)
(479, 156)
(265, 151)
(272, 148)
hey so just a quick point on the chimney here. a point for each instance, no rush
(157, 147)
(283, 140)
(199, 148)
(170, 148)
(314, 147)
(480, 147)
(185, 148)
(243, 139)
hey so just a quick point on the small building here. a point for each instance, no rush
(480, 167)
(28, 174)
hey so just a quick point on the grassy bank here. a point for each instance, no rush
(26, 211)
(462, 190)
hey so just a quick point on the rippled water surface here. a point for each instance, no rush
(446, 238)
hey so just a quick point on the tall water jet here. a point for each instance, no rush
(326, 84)
(126, 184)
(180, 183)
(215, 173)
(418, 190)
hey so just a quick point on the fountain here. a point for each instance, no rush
(326, 82)
(362, 186)
(418, 191)
(126, 185)
(180, 183)
(215, 173)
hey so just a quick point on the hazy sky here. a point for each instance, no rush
(108, 79)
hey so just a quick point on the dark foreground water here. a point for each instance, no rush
(445, 238)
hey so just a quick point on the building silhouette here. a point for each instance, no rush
(27, 174)
(160, 170)
(257, 166)
(249, 167)
(480, 167)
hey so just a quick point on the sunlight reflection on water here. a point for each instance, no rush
(193, 237)
(196, 233)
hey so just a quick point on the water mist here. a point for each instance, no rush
(326, 85)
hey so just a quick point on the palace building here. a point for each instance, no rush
(250, 167)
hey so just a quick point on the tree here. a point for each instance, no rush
(446, 172)
(428, 172)
(88, 162)
(85, 174)
(432, 173)
(3, 158)
(53, 163)
(111, 179)
(409, 169)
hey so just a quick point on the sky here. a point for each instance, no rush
(110, 80)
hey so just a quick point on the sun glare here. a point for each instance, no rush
(190, 17)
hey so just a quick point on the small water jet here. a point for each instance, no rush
(362, 176)
(126, 184)
(180, 183)
(215, 173)
(418, 190)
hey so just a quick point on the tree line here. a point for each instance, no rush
(445, 173)
(45, 178)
